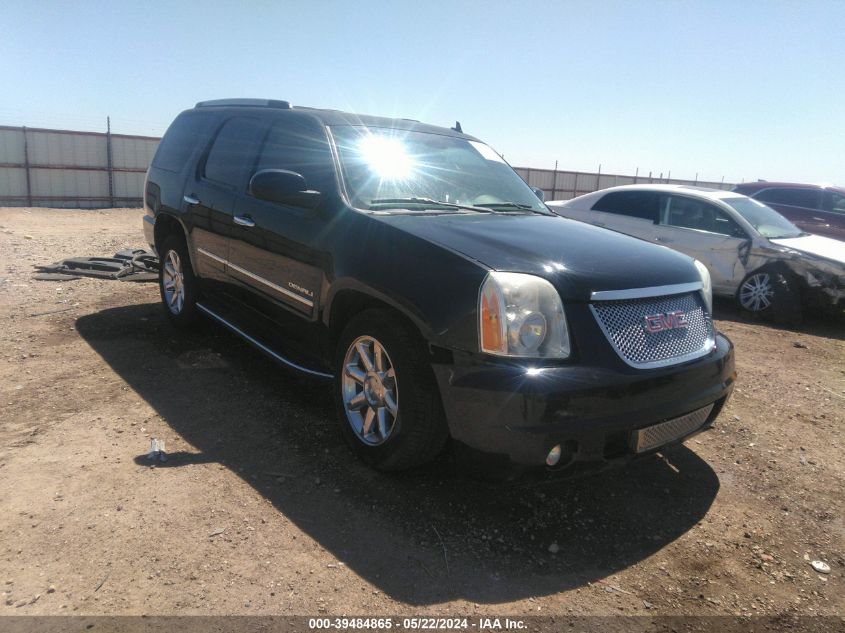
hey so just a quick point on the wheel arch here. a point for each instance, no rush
(348, 298)
(797, 282)
(166, 225)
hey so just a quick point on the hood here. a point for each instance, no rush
(824, 247)
(577, 258)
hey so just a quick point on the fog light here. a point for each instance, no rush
(554, 456)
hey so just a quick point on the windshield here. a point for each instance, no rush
(767, 221)
(386, 168)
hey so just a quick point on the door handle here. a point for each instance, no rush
(244, 220)
(190, 199)
(662, 239)
(598, 224)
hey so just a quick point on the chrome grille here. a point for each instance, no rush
(665, 432)
(623, 322)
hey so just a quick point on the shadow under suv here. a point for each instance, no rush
(410, 265)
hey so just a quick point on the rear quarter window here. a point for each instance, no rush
(189, 130)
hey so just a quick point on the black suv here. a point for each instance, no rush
(413, 267)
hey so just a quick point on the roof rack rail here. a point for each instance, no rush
(250, 103)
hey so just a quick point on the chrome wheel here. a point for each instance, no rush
(173, 282)
(370, 392)
(756, 292)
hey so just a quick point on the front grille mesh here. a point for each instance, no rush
(623, 322)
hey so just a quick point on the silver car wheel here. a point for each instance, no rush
(370, 392)
(756, 292)
(173, 283)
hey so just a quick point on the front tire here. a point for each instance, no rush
(387, 401)
(178, 285)
(769, 293)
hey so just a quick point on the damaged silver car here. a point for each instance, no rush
(753, 253)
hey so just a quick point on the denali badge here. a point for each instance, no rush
(304, 291)
(665, 321)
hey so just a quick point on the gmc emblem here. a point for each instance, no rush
(666, 321)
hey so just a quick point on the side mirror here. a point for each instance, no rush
(280, 185)
(539, 193)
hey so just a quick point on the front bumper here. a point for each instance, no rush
(511, 416)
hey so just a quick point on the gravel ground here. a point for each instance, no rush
(261, 509)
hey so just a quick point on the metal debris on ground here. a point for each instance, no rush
(126, 265)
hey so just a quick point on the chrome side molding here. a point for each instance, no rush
(216, 258)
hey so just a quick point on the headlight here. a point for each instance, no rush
(706, 286)
(521, 315)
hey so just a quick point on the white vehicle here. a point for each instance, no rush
(753, 253)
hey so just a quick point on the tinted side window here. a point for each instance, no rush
(184, 134)
(295, 147)
(834, 202)
(808, 198)
(688, 213)
(233, 152)
(635, 204)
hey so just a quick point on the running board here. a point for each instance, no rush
(261, 346)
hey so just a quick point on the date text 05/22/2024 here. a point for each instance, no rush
(424, 623)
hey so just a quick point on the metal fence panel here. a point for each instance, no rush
(13, 183)
(11, 146)
(565, 180)
(57, 148)
(585, 183)
(69, 183)
(607, 180)
(128, 184)
(133, 153)
(541, 178)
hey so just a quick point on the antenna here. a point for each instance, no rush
(457, 127)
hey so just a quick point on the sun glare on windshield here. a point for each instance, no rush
(386, 157)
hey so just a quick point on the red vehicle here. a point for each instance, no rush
(818, 209)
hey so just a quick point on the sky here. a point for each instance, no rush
(734, 90)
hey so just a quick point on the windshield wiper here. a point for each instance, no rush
(428, 203)
(521, 206)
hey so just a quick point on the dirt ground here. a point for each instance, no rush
(261, 508)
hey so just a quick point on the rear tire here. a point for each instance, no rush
(386, 397)
(178, 285)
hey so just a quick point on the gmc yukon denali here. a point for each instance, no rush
(411, 265)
